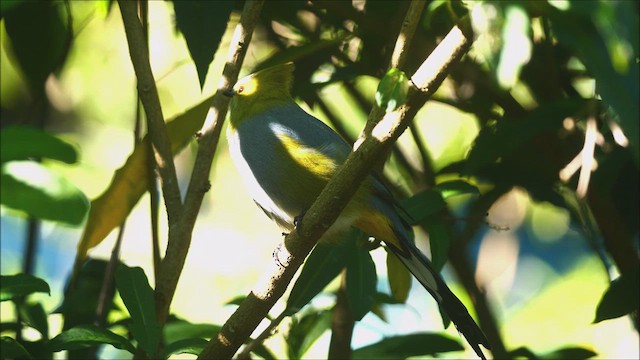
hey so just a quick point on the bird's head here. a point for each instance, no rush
(260, 91)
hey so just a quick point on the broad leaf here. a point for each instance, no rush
(323, 264)
(621, 298)
(361, 282)
(11, 349)
(24, 143)
(35, 316)
(40, 39)
(403, 346)
(400, 278)
(305, 330)
(137, 295)
(193, 346)
(88, 335)
(38, 191)
(12, 286)
(455, 187)
(424, 204)
(202, 23)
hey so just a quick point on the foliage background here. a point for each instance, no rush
(543, 277)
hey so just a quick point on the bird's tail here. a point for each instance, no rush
(418, 264)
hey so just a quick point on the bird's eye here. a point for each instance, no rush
(240, 89)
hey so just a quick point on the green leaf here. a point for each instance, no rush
(361, 282)
(423, 204)
(137, 296)
(11, 349)
(34, 189)
(392, 90)
(323, 264)
(621, 298)
(35, 316)
(516, 48)
(569, 353)
(83, 336)
(12, 286)
(400, 347)
(440, 238)
(400, 279)
(455, 187)
(305, 330)
(193, 346)
(202, 23)
(40, 39)
(23, 143)
(181, 329)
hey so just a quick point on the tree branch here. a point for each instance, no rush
(180, 235)
(335, 196)
(148, 94)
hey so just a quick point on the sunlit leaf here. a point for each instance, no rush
(516, 49)
(400, 278)
(202, 23)
(24, 143)
(12, 286)
(403, 346)
(621, 298)
(455, 187)
(180, 330)
(137, 295)
(131, 181)
(392, 90)
(361, 282)
(11, 349)
(83, 336)
(34, 189)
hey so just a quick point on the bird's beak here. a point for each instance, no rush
(229, 92)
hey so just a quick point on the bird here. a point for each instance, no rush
(286, 157)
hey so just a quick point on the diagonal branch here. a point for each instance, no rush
(155, 120)
(335, 197)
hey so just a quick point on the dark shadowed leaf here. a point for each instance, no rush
(361, 282)
(440, 238)
(35, 316)
(621, 298)
(11, 349)
(400, 347)
(323, 264)
(202, 23)
(40, 39)
(423, 204)
(12, 286)
(137, 295)
(24, 143)
(305, 330)
(38, 191)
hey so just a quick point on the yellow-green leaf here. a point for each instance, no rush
(399, 278)
(131, 181)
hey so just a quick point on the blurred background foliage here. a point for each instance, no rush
(523, 169)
